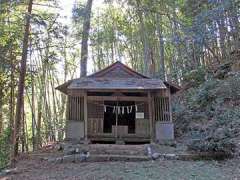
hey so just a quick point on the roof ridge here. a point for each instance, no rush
(120, 64)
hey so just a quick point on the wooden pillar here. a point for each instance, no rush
(67, 108)
(170, 104)
(116, 125)
(85, 116)
(153, 118)
(150, 115)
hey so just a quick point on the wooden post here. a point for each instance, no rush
(67, 109)
(116, 125)
(150, 115)
(170, 105)
(153, 118)
(85, 116)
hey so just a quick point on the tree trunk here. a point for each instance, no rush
(23, 135)
(40, 102)
(1, 113)
(39, 124)
(222, 34)
(144, 40)
(85, 35)
(33, 113)
(12, 99)
(55, 115)
(32, 105)
(235, 26)
(161, 47)
(21, 83)
(26, 134)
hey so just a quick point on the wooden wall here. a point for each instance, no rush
(95, 109)
(95, 114)
(75, 108)
(162, 111)
(96, 118)
(143, 107)
(95, 126)
(142, 125)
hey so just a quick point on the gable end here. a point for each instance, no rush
(117, 70)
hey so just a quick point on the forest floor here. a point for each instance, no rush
(34, 167)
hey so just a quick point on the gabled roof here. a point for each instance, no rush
(115, 76)
(117, 70)
(117, 83)
(172, 86)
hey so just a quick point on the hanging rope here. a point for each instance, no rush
(131, 106)
(119, 109)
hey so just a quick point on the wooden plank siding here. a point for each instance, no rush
(95, 109)
(142, 127)
(155, 108)
(95, 126)
(117, 98)
(96, 120)
(162, 109)
(95, 117)
(150, 115)
(85, 110)
(75, 110)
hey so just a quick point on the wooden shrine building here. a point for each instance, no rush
(118, 104)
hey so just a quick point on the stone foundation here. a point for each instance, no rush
(75, 130)
(164, 131)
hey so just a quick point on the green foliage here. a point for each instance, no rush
(204, 94)
(222, 135)
(209, 116)
(195, 77)
(50, 49)
(4, 148)
(194, 35)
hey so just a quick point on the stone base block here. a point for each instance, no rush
(75, 130)
(164, 131)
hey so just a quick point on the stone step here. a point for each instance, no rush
(98, 158)
(117, 152)
(80, 158)
(112, 157)
(107, 149)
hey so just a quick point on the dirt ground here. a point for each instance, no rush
(35, 168)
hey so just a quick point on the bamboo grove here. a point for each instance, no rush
(167, 39)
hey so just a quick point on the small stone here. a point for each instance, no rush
(68, 158)
(8, 171)
(155, 156)
(170, 156)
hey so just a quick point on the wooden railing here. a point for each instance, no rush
(75, 109)
(162, 110)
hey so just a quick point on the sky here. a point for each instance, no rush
(66, 7)
(66, 12)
